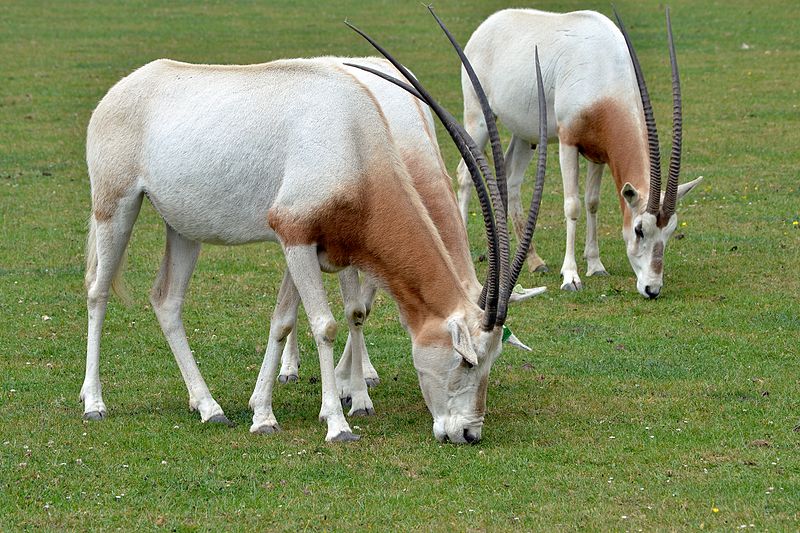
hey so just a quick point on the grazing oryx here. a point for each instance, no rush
(413, 130)
(593, 85)
(294, 151)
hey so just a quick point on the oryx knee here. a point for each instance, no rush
(572, 208)
(356, 314)
(324, 329)
(280, 327)
(95, 294)
(592, 204)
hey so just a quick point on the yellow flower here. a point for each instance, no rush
(683, 224)
(714, 510)
(795, 223)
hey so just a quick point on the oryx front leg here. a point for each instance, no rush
(305, 271)
(105, 250)
(284, 321)
(167, 295)
(350, 373)
(368, 290)
(591, 251)
(518, 157)
(568, 156)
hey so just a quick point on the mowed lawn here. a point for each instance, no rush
(679, 413)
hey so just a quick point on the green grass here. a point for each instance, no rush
(629, 415)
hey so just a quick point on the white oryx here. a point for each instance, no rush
(298, 152)
(412, 127)
(595, 91)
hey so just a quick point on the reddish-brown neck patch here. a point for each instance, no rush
(608, 132)
(383, 228)
(433, 185)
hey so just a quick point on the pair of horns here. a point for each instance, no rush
(491, 187)
(671, 196)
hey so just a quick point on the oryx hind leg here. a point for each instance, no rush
(591, 252)
(518, 157)
(350, 371)
(284, 321)
(166, 297)
(290, 359)
(108, 238)
(367, 295)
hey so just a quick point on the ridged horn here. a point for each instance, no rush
(650, 122)
(671, 196)
(497, 183)
(462, 141)
(533, 212)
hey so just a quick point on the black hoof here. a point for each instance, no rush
(363, 412)
(220, 419)
(267, 430)
(571, 287)
(347, 402)
(541, 269)
(600, 273)
(94, 415)
(291, 378)
(373, 382)
(345, 436)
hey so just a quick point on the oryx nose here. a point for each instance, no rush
(470, 437)
(652, 293)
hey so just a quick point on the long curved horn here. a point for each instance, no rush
(671, 196)
(533, 213)
(497, 186)
(460, 137)
(650, 121)
(488, 114)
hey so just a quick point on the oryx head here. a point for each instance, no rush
(652, 217)
(454, 358)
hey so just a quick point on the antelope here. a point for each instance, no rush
(413, 130)
(596, 92)
(294, 152)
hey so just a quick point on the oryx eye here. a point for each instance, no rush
(639, 232)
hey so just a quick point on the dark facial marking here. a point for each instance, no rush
(657, 263)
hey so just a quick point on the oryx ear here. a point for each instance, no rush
(520, 293)
(516, 343)
(630, 195)
(688, 186)
(462, 340)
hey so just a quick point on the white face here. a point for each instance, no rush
(454, 391)
(645, 243)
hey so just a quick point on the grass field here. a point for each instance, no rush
(672, 414)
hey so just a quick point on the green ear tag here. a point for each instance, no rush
(506, 333)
